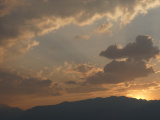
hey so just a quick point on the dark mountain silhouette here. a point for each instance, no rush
(111, 108)
(9, 113)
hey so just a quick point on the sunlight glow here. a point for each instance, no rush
(140, 96)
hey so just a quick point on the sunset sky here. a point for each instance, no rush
(66, 50)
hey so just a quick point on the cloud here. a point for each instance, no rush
(82, 37)
(82, 70)
(13, 84)
(86, 89)
(105, 28)
(142, 86)
(131, 68)
(141, 49)
(120, 71)
(71, 82)
(78, 73)
(8, 6)
(15, 50)
(22, 20)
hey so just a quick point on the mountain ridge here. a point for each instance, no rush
(110, 108)
(9, 113)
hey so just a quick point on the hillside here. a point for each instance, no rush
(111, 108)
(9, 113)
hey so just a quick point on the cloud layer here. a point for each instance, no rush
(13, 84)
(22, 20)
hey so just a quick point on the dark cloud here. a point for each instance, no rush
(13, 84)
(141, 49)
(120, 71)
(86, 89)
(128, 67)
(133, 67)
(71, 82)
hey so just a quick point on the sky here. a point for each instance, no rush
(53, 51)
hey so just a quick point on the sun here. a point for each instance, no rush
(138, 96)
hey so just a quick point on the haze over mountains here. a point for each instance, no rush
(111, 108)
